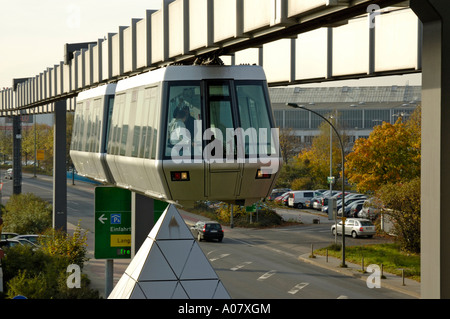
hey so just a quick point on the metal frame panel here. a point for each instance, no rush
(178, 18)
(97, 62)
(144, 41)
(255, 22)
(201, 29)
(351, 48)
(396, 40)
(297, 8)
(117, 57)
(107, 57)
(129, 47)
(157, 37)
(228, 20)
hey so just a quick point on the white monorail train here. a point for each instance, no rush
(181, 134)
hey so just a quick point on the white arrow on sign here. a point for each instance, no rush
(102, 218)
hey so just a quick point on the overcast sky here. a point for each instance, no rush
(33, 33)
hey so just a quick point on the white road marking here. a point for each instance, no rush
(297, 288)
(342, 297)
(267, 275)
(219, 257)
(241, 266)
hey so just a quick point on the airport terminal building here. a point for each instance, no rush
(357, 109)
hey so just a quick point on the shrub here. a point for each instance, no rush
(32, 287)
(58, 243)
(27, 214)
(42, 273)
(402, 201)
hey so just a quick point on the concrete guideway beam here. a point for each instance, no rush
(435, 178)
(181, 31)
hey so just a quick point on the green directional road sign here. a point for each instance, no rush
(112, 223)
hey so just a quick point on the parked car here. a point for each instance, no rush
(283, 199)
(207, 230)
(349, 206)
(355, 227)
(355, 209)
(277, 192)
(6, 235)
(30, 237)
(370, 209)
(14, 242)
(297, 199)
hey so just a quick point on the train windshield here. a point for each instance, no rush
(219, 118)
(185, 108)
(254, 118)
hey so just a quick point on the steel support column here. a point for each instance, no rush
(435, 176)
(59, 168)
(17, 155)
(142, 220)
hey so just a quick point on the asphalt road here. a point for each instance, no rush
(252, 263)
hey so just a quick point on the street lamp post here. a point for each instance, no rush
(295, 105)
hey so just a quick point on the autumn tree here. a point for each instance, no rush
(390, 154)
(39, 137)
(317, 157)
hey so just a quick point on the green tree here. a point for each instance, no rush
(27, 214)
(317, 158)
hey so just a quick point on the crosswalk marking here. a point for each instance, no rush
(297, 288)
(241, 266)
(267, 275)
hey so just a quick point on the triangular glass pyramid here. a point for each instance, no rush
(170, 226)
(169, 264)
(176, 252)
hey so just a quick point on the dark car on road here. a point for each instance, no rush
(207, 230)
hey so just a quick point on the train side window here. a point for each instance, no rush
(115, 129)
(145, 121)
(125, 124)
(183, 110)
(151, 106)
(96, 124)
(77, 125)
(81, 130)
(253, 113)
(88, 121)
(108, 120)
(136, 120)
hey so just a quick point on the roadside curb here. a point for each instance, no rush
(390, 281)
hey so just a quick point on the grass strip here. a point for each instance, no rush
(388, 255)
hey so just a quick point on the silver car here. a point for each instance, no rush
(356, 227)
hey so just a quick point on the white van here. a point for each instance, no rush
(297, 198)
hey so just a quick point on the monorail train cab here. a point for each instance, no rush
(183, 134)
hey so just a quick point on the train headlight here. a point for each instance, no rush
(261, 175)
(179, 176)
